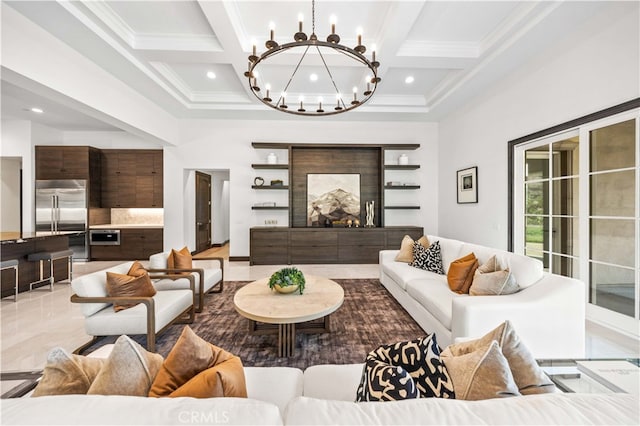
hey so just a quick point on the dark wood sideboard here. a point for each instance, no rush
(279, 245)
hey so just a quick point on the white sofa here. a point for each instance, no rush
(548, 311)
(322, 395)
(150, 316)
(207, 271)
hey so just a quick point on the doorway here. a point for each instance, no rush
(203, 211)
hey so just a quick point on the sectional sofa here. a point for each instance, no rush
(321, 395)
(548, 311)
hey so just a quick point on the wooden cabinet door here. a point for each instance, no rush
(75, 162)
(269, 246)
(132, 178)
(62, 162)
(48, 162)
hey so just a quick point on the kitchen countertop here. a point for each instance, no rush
(20, 237)
(127, 226)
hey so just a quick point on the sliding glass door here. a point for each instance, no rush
(576, 208)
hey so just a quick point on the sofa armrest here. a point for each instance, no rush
(549, 316)
(386, 256)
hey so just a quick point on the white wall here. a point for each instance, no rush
(598, 67)
(226, 144)
(10, 193)
(16, 142)
(220, 208)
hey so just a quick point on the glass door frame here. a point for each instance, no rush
(516, 205)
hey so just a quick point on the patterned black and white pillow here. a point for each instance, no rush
(429, 259)
(383, 382)
(421, 359)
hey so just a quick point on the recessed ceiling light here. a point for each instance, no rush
(36, 110)
(313, 77)
(211, 74)
(409, 79)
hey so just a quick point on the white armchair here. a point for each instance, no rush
(150, 316)
(207, 271)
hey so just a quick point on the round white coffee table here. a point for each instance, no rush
(257, 302)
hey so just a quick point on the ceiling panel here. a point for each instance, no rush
(162, 17)
(453, 49)
(464, 21)
(256, 16)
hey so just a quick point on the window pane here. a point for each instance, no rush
(537, 198)
(613, 194)
(536, 163)
(613, 147)
(613, 288)
(613, 241)
(537, 233)
(565, 235)
(567, 266)
(565, 197)
(565, 157)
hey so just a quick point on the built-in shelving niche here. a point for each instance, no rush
(364, 159)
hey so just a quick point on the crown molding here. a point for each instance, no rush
(111, 19)
(446, 49)
(179, 42)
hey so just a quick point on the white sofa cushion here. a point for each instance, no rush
(131, 410)
(402, 273)
(168, 305)
(159, 260)
(436, 297)
(211, 277)
(526, 270)
(332, 381)
(95, 285)
(450, 250)
(277, 385)
(602, 409)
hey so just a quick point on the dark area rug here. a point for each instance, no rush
(369, 317)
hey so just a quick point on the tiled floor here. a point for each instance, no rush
(42, 319)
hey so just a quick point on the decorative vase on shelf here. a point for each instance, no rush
(403, 160)
(272, 158)
(370, 214)
(287, 280)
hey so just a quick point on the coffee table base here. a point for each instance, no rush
(287, 332)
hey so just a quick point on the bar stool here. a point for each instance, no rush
(12, 264)
(41, 256)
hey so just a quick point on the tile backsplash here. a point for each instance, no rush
(137, 216)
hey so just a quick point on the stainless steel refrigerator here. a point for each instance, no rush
(61, 206)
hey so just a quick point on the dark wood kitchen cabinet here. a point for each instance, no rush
(71, 162)
(135, 244)
(132, 178)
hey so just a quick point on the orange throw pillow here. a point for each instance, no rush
(180, 259)
(120, 285)
(136, 269)
(460, 275)
(196, 368)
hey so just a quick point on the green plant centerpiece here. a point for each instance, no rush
(287, 280)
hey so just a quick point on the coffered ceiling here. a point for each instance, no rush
(453, 50)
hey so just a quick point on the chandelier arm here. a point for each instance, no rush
(330, 75)
(296, 70)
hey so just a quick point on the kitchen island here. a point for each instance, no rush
(17, 245)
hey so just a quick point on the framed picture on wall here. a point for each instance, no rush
(467, 185)
(332, 198)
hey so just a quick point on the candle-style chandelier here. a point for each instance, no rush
(306, 105)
